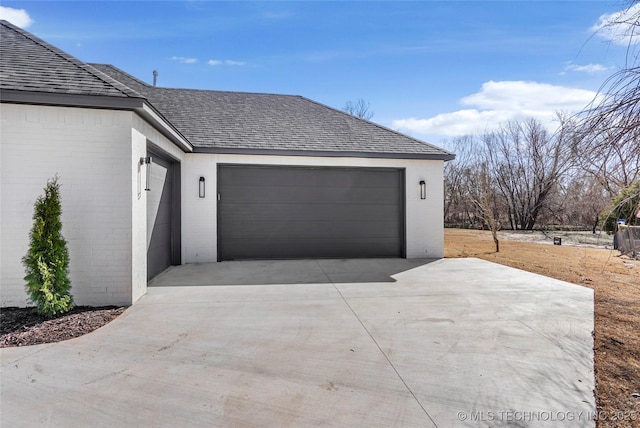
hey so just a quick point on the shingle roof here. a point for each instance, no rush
(31, 64)
(212, 121)
(222, 121)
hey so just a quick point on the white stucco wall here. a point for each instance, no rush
(96, 155)
(424, 218)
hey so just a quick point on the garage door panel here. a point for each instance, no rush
(164, 213)
(296, 212)
(161, 199)
(264, 177)
(287, 212)
(320, 248)
(161, 234)
(309, 195)
(311, 230)
(159, 258)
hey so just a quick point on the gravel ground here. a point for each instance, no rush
(575, 239)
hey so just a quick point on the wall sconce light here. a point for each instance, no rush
(201, 187)
(146, 161)
(423, 190)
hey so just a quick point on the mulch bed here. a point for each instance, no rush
(23, 326)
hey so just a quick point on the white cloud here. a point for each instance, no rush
(18, 17)
(620, 27)
(587, 68)
(215, 62)
(497, 103)
(458, 123)
(184, 60)
(521, 95)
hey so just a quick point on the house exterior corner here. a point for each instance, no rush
(154, 177)
(93, 152)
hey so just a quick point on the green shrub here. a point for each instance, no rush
(47, 261)
(625, 205)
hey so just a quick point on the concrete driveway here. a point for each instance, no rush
(453, 342)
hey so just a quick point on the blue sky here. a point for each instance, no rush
(431, 69)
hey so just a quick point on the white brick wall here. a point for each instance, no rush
(142, 135)
(199, 221)
(95, 153)
(157, 139)
(138, 217)
(424, 221)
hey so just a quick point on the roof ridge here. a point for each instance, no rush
(227, 92)
(142, 82)
(122, 88)
(215, 120)
(121, 71)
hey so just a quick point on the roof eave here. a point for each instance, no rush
(69, 100)
(318, 153)
(138, 105)
(149, 113)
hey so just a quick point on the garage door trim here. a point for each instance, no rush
(174, 165)
(400, 211)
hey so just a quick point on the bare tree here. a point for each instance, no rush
(527, 163)
(360, 108)
(579, 201)
(607, 139)
(458, 208)
(518, 176)
(483, 193)
(471, 195)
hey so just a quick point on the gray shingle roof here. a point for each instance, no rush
(212, 121)
(28, 63)
(222, 121)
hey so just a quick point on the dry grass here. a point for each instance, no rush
(616, 284)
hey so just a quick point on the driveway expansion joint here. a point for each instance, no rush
(258, 328)
(380, 349)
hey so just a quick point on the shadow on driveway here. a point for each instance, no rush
(455, 343)
(319, 271)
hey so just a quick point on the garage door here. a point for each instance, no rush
(162, 224)
(267, 212)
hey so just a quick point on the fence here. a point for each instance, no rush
(627, 240)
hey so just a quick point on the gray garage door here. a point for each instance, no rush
(163, 230)
(267, 212)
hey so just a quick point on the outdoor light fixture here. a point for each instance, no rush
(146, 161)
(423, 190)
(201, 187)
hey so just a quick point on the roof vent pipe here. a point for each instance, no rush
(155, 77)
